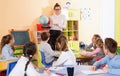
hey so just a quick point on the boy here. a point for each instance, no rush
(111, 60)
(46, 48)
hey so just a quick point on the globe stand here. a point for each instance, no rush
(45, 26)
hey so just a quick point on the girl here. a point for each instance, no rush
(57, 23)
(98, 52)
(24, 67)
(66, 57)
(6, 47)
(92, 45)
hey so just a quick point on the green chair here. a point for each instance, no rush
(118, 51)
(39, 59)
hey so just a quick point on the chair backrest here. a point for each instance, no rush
(43, 57)
(39, 57)
(11, 65)
(43, 60)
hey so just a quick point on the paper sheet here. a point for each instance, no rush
(99, 71)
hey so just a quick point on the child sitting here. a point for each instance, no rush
(6, 47)
(98, 52)
(112, 60)
(24, 67)
(92, 45)
(46, 48)
(67, 56)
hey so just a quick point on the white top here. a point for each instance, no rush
(58, 19)
(18, 70)
(66, 58)
(49, 53)
(7, 53)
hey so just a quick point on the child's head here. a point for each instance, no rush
(45, 36)
(7, 39)
(62, 43)
(110, 46)
(95, 37)
(99, 43)
(29, 50)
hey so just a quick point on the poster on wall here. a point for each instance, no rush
(86, 14)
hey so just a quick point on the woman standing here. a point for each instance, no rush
(57, 23)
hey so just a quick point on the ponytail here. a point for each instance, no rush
(26, 66)
(5, 40)
(29, 50)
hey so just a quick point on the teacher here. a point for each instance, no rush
(57, 23)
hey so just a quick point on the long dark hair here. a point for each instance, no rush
(29, 50)
(62, 40)
(5, 40)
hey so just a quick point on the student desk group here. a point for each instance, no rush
(77, 72)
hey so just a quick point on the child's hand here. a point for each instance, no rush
(83, 53)
(105, 68)
(53, 65)
(93, 68)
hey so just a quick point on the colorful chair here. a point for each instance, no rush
(118, 51)
(44, 62)
(11, 65)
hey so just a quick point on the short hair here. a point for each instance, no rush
(45, 36)
(111, 45)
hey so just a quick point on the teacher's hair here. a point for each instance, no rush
(29, 50)
(57, 5)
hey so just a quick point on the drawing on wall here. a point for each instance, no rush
(86, 14)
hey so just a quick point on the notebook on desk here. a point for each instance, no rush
(99, 71)
(58, 70)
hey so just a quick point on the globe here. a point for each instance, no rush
(43, 19)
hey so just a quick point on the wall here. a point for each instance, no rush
(118, 21)
(107, 18)
(24, 14)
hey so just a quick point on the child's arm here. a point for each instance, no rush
(61, 60)
(89, 47)
(7, 55)
(100, 62)
(114, 71)
(89, 54)
(51, 52)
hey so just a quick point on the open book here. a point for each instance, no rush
(99, 71)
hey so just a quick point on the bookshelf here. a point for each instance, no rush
(71, 31)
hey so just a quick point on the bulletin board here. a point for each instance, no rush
(118, 21)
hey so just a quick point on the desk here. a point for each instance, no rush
(79, 73)
(4, 64)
